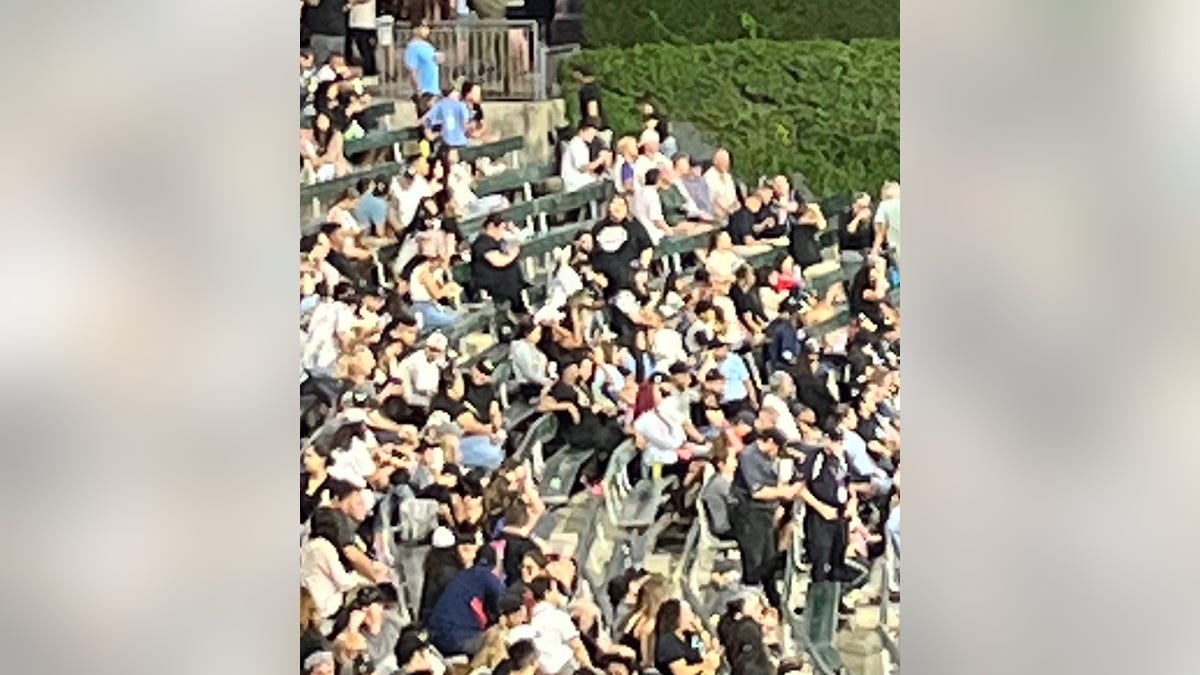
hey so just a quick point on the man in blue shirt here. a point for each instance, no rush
(372, 209)
(451, 115)
(423, 61)
(467, 607)
(739, 390)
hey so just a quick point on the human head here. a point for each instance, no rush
(780, 186)
(682, 164)
(771, 441)
(627, 147)
(307, 59)
(753, 202)
(533, 565)
(587, 130)
(412, 651)
(524, 657)
(347, 498)
(317, 458)
(435, 346)
(721, 160)
(890, 190)
(472, 92)
(649, 141)
(862, 200)
(321, 122)
(422, 30)
(618, 208)
(651, 595)
(653, 177)
(319, 663)
(673, 616)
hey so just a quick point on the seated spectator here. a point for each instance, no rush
(651, 158)
(416, 379)
(623, 172)
(312, 639)
(531, 367)
(451, 552)
(321, 150)
(317, 459)
(675, 651)
(637, 631)
(477, 128)
(746, 629)
(372, 212)
(350, 653)
(690, 181)
(739, 392)
(522, 659)
(722, 189)
(322, 573)
(722, 259)
(494, 264)
(619, 241)
(857, 232)
(748, 224)
(560, 649)
(466, 608)
(805, 248)
(482, 443)
(319, 663)
(513, 614)
(434, 294)
(659, 431)
(458, 180)
(413, 654)
(680, 212)
(517, 536)
(578, 169)
(648, 207)
(579, 425)
(747, 302)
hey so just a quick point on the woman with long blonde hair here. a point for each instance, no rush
(638, 632)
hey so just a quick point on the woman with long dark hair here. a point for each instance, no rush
(321, 149)
(675, 633)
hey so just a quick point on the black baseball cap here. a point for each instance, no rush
(511, 603)
(486, 367)
(679, 368)
(411, 642)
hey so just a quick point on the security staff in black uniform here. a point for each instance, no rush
(826, 491)
(757, 494)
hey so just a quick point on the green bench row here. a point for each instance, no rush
(332, 189)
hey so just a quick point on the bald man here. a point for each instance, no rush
(721, 187)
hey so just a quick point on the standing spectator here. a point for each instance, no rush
(361, 34)
(590, 104)
(758, 493)
(721, 186)
(325, 22)
(887, 219)
(452, 117)
(423, 62)
(494, 264)
(578, 169)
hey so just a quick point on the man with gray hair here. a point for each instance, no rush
(721, 187)
(887, 220)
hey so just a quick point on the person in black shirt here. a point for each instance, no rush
(811, 389)
(857, 232)
(317, 459)
(747, 301)
(868, 290)
(619, 241)
(325, 22)
(678, 637)
(805, 248)
(517, 536)
(748, 221)
(494, 265)
(578, 423)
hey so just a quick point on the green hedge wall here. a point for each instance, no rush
(830, 110)
(624, 23)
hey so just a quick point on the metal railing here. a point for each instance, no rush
(553, 57)
(506, 58)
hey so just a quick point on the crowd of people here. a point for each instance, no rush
(723, 374)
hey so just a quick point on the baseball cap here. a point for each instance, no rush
(438, 341)
(411, 642)
(486, 367)
(443, 537)
(511, 603)
(679, 368)
(648, 136)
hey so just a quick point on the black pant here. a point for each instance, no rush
(754, 531)
(825, 543)
(362, 39)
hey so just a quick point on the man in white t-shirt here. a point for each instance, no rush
(651, 157)
(578, 169)
(887, 219)
(560, 649)
(721, 188)
(417, 376)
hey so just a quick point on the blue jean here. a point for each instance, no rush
(480, 452)
(434, 316)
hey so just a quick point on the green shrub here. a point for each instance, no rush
(827, 109)
(624, 23)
